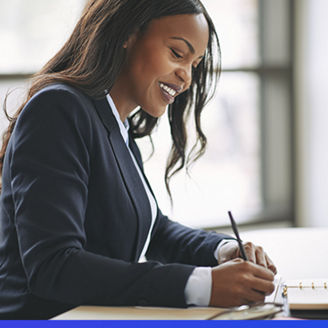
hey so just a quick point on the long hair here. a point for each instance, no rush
(93, 56)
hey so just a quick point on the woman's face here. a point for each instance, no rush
(159, 63)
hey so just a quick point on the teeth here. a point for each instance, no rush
(169, 90)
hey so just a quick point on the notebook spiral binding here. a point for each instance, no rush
(312, 285)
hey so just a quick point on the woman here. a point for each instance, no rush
(77, 212)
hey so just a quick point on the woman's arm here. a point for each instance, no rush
(49, 163)
(172, 242)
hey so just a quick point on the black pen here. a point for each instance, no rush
(235, 230)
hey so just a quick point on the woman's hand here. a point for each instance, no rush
(230, 250)
(238, 282)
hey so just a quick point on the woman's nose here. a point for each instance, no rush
(184, 73)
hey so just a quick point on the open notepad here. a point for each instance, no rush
(307, 294)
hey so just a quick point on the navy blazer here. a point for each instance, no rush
(75, 216)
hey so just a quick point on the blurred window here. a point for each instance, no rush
(32, 31)
(247, 166)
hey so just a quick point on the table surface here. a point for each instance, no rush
(297, 252)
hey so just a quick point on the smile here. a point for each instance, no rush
(168, 90)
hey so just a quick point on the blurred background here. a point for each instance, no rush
(267, 125)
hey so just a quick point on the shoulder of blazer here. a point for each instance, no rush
(99, 105)
(63, 88)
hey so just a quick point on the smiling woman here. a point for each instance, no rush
(159, 63)
(78, 215)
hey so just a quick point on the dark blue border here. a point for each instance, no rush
(164, 323)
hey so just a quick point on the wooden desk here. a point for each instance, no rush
(139, 313)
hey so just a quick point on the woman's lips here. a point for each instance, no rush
(169, 91)
(166, 96)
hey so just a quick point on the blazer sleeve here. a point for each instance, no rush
(173, 242)
(49, 158)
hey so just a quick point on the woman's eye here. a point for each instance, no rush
(175, 54)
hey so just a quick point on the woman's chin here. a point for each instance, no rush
(158, 112)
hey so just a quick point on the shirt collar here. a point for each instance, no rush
(124, 126)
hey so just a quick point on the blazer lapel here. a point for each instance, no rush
(137, 156)
(129, 173)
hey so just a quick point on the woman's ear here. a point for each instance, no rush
(130, 41)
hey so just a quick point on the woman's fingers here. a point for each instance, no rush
(240, 282)
(256, 254)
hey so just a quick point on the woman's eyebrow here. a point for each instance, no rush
(191, 48)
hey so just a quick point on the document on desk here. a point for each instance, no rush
(139, 313)
(277, 295)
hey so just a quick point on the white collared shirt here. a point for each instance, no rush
(124, 128)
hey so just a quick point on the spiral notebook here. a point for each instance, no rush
(307, 294)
